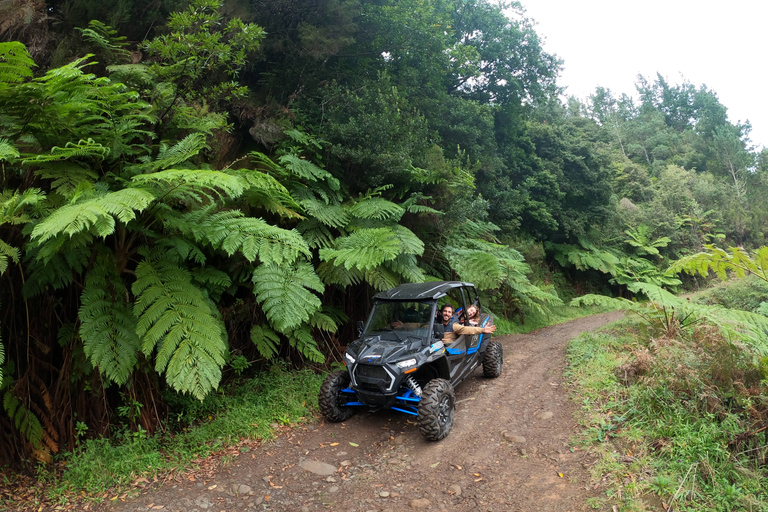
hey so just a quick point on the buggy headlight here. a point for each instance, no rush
(349, 358)
(406, 363)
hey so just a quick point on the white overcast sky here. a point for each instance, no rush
(609, 42)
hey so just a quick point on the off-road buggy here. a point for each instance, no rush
(399, 360)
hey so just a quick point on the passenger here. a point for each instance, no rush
(473, 313)
(454, 329)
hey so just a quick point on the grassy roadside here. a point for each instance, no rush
(678, 420)
(100, 469)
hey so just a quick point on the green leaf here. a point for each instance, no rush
(266, 341)
(177, 319)
(285, 293)
(97, 215)
(364, 249)
(107, 324)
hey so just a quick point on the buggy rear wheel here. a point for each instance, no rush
(493, 360)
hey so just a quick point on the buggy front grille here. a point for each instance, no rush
(373, 377)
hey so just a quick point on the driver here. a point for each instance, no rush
(454, 329)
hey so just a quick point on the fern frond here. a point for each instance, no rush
(476, 266)
(377, 208)
(66, 176)
(233, 232)
(184, 247)
(50, 267)
(168, 157)
(332, 215)
(107, 324)
(381, 278)
(323, 321)
(266, 341)
(475, 229)
(97, 214)
(285, 293)
(135, 75)
(302, 340)
(25, 422)
(315, 233)
(307, 170)
(72, 150)
(409, 242)
(7, 252)
(8, 151)
(603, 302)
(267, 192)
(213, 280)
(364, 249)
(407, 266)
(585, 257)
(736, 260)
(338, 275)
(15, 63)
(106, 39)
(177, 319)
(16, 208)
(192, 185)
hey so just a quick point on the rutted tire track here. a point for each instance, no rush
(507, 451)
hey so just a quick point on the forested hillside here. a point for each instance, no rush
(192, 190)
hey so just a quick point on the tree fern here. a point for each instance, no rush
(107, 323)
(266, 341)
(285, 293)
(364, 249)
(49, 268)
(7, 151)
(315, 233)
(15, 63)
(192, 186)
(721, 262)
(332, 215)
(381, 277)
(268, 193)
(584, 256)
(96, 215)
(7, 253)
(108, 44)
(377, 208)
(213, 280)
(178, 321)
(233, 232)
(302, 340)
(66, 176)
(171, 156)
(72, 150)
(23, 420)
(307, 170)
(338, 275)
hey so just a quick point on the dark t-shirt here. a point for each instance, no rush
(449, 327)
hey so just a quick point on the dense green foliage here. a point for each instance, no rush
(674, 415)
(192, 189)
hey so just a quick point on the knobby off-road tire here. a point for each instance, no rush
(493, 360)
(331, 399)
(437, 408)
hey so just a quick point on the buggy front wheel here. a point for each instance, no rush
(331, 400)
(437, 408)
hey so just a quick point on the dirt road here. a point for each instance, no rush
(508, 451)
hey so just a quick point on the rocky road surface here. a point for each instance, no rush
(509, 450)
